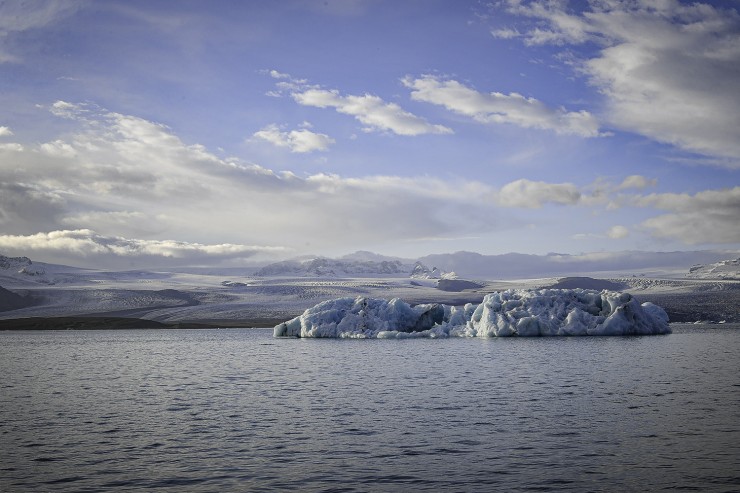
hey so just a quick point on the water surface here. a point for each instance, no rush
(236, 410)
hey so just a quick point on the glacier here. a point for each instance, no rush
(514, 312)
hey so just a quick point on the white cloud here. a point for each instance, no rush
(496, 107)
(278, 75)
(618, 232)
(505, 33)
(126, 223)
(638, 182)
(5, 132)
(561, 27)
(58, 148)
(534, 194)
(65, 109)
(86, 243)
(668, 70)
(135, 177)
(11, 146)
(707, 217)
(300, 141)
(370, 110)
(132, 178)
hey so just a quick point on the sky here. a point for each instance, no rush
(134, 133)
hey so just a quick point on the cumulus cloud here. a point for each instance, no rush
(371, 111)
(58, 148)
(496, 107)
(5, 131)
(534, 194)
(66, 109)
(299, 141)
(707, 217)
(668, 70)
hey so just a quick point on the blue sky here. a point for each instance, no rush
(207, 132)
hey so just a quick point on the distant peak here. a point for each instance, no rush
(14, 262)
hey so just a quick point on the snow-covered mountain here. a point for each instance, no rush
(16, 264)
(23, 268)
(726, 269)
(421, 271)
(22, 271)
(326, 267)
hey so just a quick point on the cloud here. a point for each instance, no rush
(120, 174)
(615, 232)
(64, 109)
(126, 223)
(5, 132)
(560, 27)
(11, 146)
(708, 217)
(637, 181)
(299, 141)
(18, 17)
(534, 194)
(278, 75)
(669, 71)
(24, 204)
(86, 243)
(370, 110)
(618, 232)
(496, 107)
(126, 177)
(58, 148)
(505, 33)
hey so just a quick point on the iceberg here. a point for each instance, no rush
(515, 312)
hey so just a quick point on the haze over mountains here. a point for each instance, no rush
(702, 264)
(472, 265)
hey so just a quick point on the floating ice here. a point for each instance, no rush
(546, 312)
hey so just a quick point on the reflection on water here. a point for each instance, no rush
(236, 410)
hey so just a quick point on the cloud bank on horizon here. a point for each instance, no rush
(281, 129)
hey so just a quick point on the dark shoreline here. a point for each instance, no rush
(122, 323)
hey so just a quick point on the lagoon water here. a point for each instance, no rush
(236, 410)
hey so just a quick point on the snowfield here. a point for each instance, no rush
(527, 313)
(726, 269)
(231, 298)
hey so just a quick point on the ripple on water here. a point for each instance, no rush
(237, 410)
